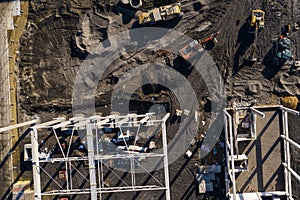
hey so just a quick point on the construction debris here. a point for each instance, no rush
(22, 191)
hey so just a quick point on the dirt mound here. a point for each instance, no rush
(289, 102)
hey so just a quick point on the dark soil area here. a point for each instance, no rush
(61, 34)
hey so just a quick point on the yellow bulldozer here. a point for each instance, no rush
(257, 21)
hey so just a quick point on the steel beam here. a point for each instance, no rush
(76, 119)
(82, 123)
(261, 114)
(123, 121)
(104, 190)
(52, 160)
(286, 127)
(8, 128)
(231, 153)
(36, 165)
(90, 146)
(292, 142)
(286, 179)
(294, 112)
(102, 122)
(165, 152)
(227, 156)
(144, 120)
(48, 124)
(297, 176)
(108, 157)
(250, 195)
(61, 125)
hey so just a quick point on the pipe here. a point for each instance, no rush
(90, 146)
(136, 3)
(290, 110)
(165, 152)
(292, 142)
(36, 165)
(8, 128)
(292, 171)
(258, 112)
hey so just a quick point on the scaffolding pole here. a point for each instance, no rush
(286, 127)
(90, 146)
(292, 171)
(227, 157)
(8, 128)
(285, 154)
(261, 114)
(292, 142)
(165, 150)
(232, 154)
(36, 165)
(294, 112)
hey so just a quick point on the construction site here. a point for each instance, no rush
(144, 99)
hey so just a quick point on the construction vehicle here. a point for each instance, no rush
(257, 21)
(284, 42)
(197, 46)
(191, 50)
(284, 55)
(211, 38)
(282, 50)
(162, 13)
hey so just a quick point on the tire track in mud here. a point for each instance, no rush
(295, 16)
(249, 75)
(227, 45)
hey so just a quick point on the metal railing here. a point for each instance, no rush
(288, 171)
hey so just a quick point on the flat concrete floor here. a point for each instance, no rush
(264, 156)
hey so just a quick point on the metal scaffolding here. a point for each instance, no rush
(96, 160)
(232, 152)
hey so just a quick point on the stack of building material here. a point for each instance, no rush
(21, 191)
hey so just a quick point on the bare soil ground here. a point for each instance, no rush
(60, 34)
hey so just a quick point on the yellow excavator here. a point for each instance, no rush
(162, 13)
(257, 21)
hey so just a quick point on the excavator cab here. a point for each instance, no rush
(257, 21)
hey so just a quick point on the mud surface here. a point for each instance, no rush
(60, 34)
